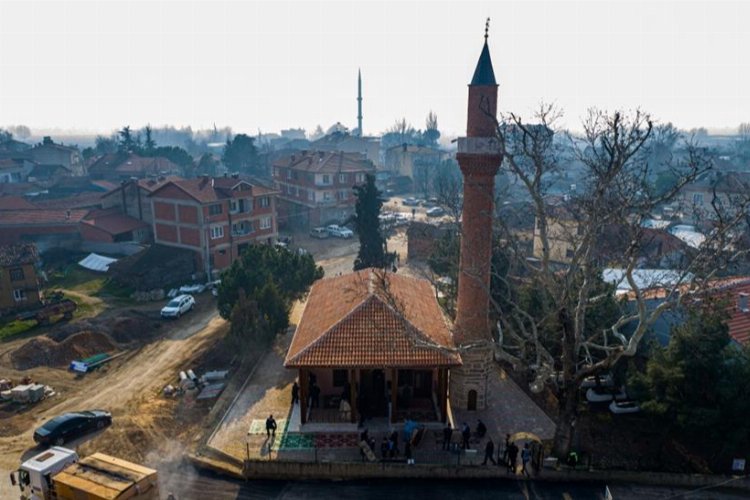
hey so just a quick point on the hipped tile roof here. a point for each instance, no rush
(209, 190)
(372, 319)
(112, 222)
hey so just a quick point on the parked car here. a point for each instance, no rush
(319, 232)
(435, 212)
(602, 380)
(340, 232)
(605, 395)
(69, 426)
(178, 306)
(411, 202)
(624, 407)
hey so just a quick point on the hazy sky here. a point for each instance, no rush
(98, 65)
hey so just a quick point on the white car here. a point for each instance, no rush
(339, 232)
(605, 395)
(178, 306)
(624, 407)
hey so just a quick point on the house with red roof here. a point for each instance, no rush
(19, 283)
(111, 226)
(217, 217)
(119, 166)
(44, 227)
(379, 341)
(131, 197)
(316, 186)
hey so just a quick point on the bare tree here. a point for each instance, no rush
(552, 336)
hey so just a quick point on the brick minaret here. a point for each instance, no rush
(479, 158)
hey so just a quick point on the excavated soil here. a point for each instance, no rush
(44, 351)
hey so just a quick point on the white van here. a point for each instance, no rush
(319, 232)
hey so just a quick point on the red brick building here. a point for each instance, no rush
(316, 186)
(215, 217)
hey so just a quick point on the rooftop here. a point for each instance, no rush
(372, 318)
(326, 162)
(211, 189)
(113, 222)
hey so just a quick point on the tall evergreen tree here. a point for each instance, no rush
(371, 240)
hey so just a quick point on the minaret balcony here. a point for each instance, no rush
(479, 146)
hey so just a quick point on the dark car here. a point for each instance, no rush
(71, 425)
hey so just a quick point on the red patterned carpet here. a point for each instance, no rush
(326, 440)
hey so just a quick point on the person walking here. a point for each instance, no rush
(384, 448)
(270, 426)
(525, 457)
(489, 452)
(506, 450)
(295, 393)
(407, 453)
(447, 435)
(512, 456)
(465, 435)
(481, 429)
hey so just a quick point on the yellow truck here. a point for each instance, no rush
(59, 474)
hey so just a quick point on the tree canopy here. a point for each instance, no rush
(272, 278)
(372, 252)
(241, 155)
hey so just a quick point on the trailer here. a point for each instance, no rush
(60, 474)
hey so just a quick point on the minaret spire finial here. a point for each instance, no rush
(487, 29)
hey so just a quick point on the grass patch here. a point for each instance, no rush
(15, 327)
(85, 282)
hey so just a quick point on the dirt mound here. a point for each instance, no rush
(43, 351)
(133, 328)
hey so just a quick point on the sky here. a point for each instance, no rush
(98, 65)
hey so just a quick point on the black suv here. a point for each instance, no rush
(71, 425)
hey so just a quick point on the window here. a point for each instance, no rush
(326, 179)
(215, 209)
(311, 195)
(217, 232)
(289, 173)
(265, 222)
(340, 378)
(16, 274)
(242, 228)
(233, 206)
(19, 294)
(569, 253)
(343, 194)
(326, 196)
(264, 202)
(697, 198)
(360, 177)
(342, 178)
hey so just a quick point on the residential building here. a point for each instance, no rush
(729, 188)
(387, 361)
(343, 141)
(119, 166)
(15, 170)
(131, 197)
(111, 226)
(51, 154)
(216, 217)
(410, 160)
(19, 283)
(47, 228)
(316, 186)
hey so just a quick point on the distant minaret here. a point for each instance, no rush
(359, 102)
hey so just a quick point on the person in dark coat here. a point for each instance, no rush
(315, 396)
(506, 450)
(407, 453)
(384, 448)
(270, 426)
(447, 435)
(512, 456)
(489, 452)
(481, 429)
(394, 444)
(295, 393)
(466, 436)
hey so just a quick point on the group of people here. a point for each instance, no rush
(389, 449)
(507, 456)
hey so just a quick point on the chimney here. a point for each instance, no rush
(235, 175)
(204, 181)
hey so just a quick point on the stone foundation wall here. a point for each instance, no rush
(472, 375)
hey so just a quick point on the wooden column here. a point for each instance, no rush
(353, 395)
(443, 396)
(394, 393)
(304, 393)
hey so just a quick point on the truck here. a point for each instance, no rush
(44, 314)
(59, 473)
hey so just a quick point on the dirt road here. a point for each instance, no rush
(139, 375)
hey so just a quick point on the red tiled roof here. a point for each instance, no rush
(40, 217)
(326, 162)
(82, 200)
(372, 318)
(14, 255)
(132, 164)
(113, 223)
(15, 203)
(207, 189)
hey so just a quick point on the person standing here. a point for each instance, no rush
(512, 456)
(489, 452)
(525, 457)
(270, 426)
(315, 396)
(506, 450)
(295, 393)
(466, 435)
(407, 453)
(481, 429)
(447, 435)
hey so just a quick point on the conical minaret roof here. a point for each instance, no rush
(484, 74)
